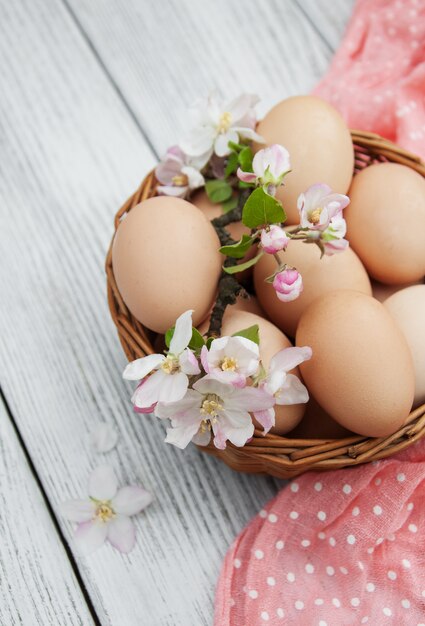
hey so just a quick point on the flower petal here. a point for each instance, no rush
(208, 384)
(246, 177)
(147, 394)
(239, 107)
(199, 142)
(166, 410)
(172, 190)
(292, 392)
(103, 483)
(182, 333)
(121, 533)
(173, 387)
(248, 133)
(166, 170)
(103, 437)
(266, 419)
(77, 510)
(181, 436)
(202, 438)
(138, 369)
(189, 363)
(249, 399)
(194, 176)
(89, 536)
(131, 500)
(236, 426)
(288, 358)
(204, 359)
(221, 145)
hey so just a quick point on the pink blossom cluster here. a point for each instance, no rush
(216, 392)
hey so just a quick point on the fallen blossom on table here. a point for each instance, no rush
(105, 514)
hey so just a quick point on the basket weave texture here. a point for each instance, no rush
(272, 454)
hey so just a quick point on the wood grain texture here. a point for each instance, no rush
(37, 583)
(84, 86)
(166, 54)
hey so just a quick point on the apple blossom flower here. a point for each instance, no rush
(103, 437)
(178, 174)
(217, 123)
(105, 515)
(285, 388)
(333, 237)
(231, 359)
(288, 284)
(274, 239)
(216, 408)
(270, 166)
(318, 205)
(165, 378)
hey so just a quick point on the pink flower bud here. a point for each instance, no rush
(288, 284)
(274, 239)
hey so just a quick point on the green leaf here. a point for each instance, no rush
(232, 164)
(230, 204)
(252, 333)
(243, 185)
(237, 147)
(209, 342)
(261, 209)
(196, 342)
(245, 159)
(218, 190)
(234, 269)
(239, 249)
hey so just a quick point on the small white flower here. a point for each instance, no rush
(318, 205)
(213, 406)
(103, 437)
(217, 123)
(178, 174)
(270, 166)
(333, 237)
(169, 380)
(231, 359)
(105, 515)
(285, 388)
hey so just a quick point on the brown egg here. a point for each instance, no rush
(236, 229)
(317, 424)
(361, 371)
(165, 259)
(319, 145)
(271, 341)
(381, 292)
(407, 308)
(250, 305)
(320, 276)
(386, 222)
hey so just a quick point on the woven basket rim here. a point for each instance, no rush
(279, 455)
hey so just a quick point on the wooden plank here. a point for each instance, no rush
(70, 153)
(164, 55)
(329, 19)
(37, 582)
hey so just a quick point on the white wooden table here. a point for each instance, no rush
(92, 91)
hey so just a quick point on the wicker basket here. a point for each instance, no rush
(277, 455)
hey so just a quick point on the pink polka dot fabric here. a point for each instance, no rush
(348, 546)
(377, 77)
(333, 549)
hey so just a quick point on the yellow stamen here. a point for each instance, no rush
(211, 406)
(314, 216)
(229, 364)
(104, 511)
(224, 122)
(180, 180)
(170, 365)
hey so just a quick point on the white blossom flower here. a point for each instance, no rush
(105, 515)
(274, 239)
(318, 205)
(165, 378)
(178, 174)
(285, 388)
(270, 166)
(231, 359)
(217, 123)
(333, 237)
(213, 406)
